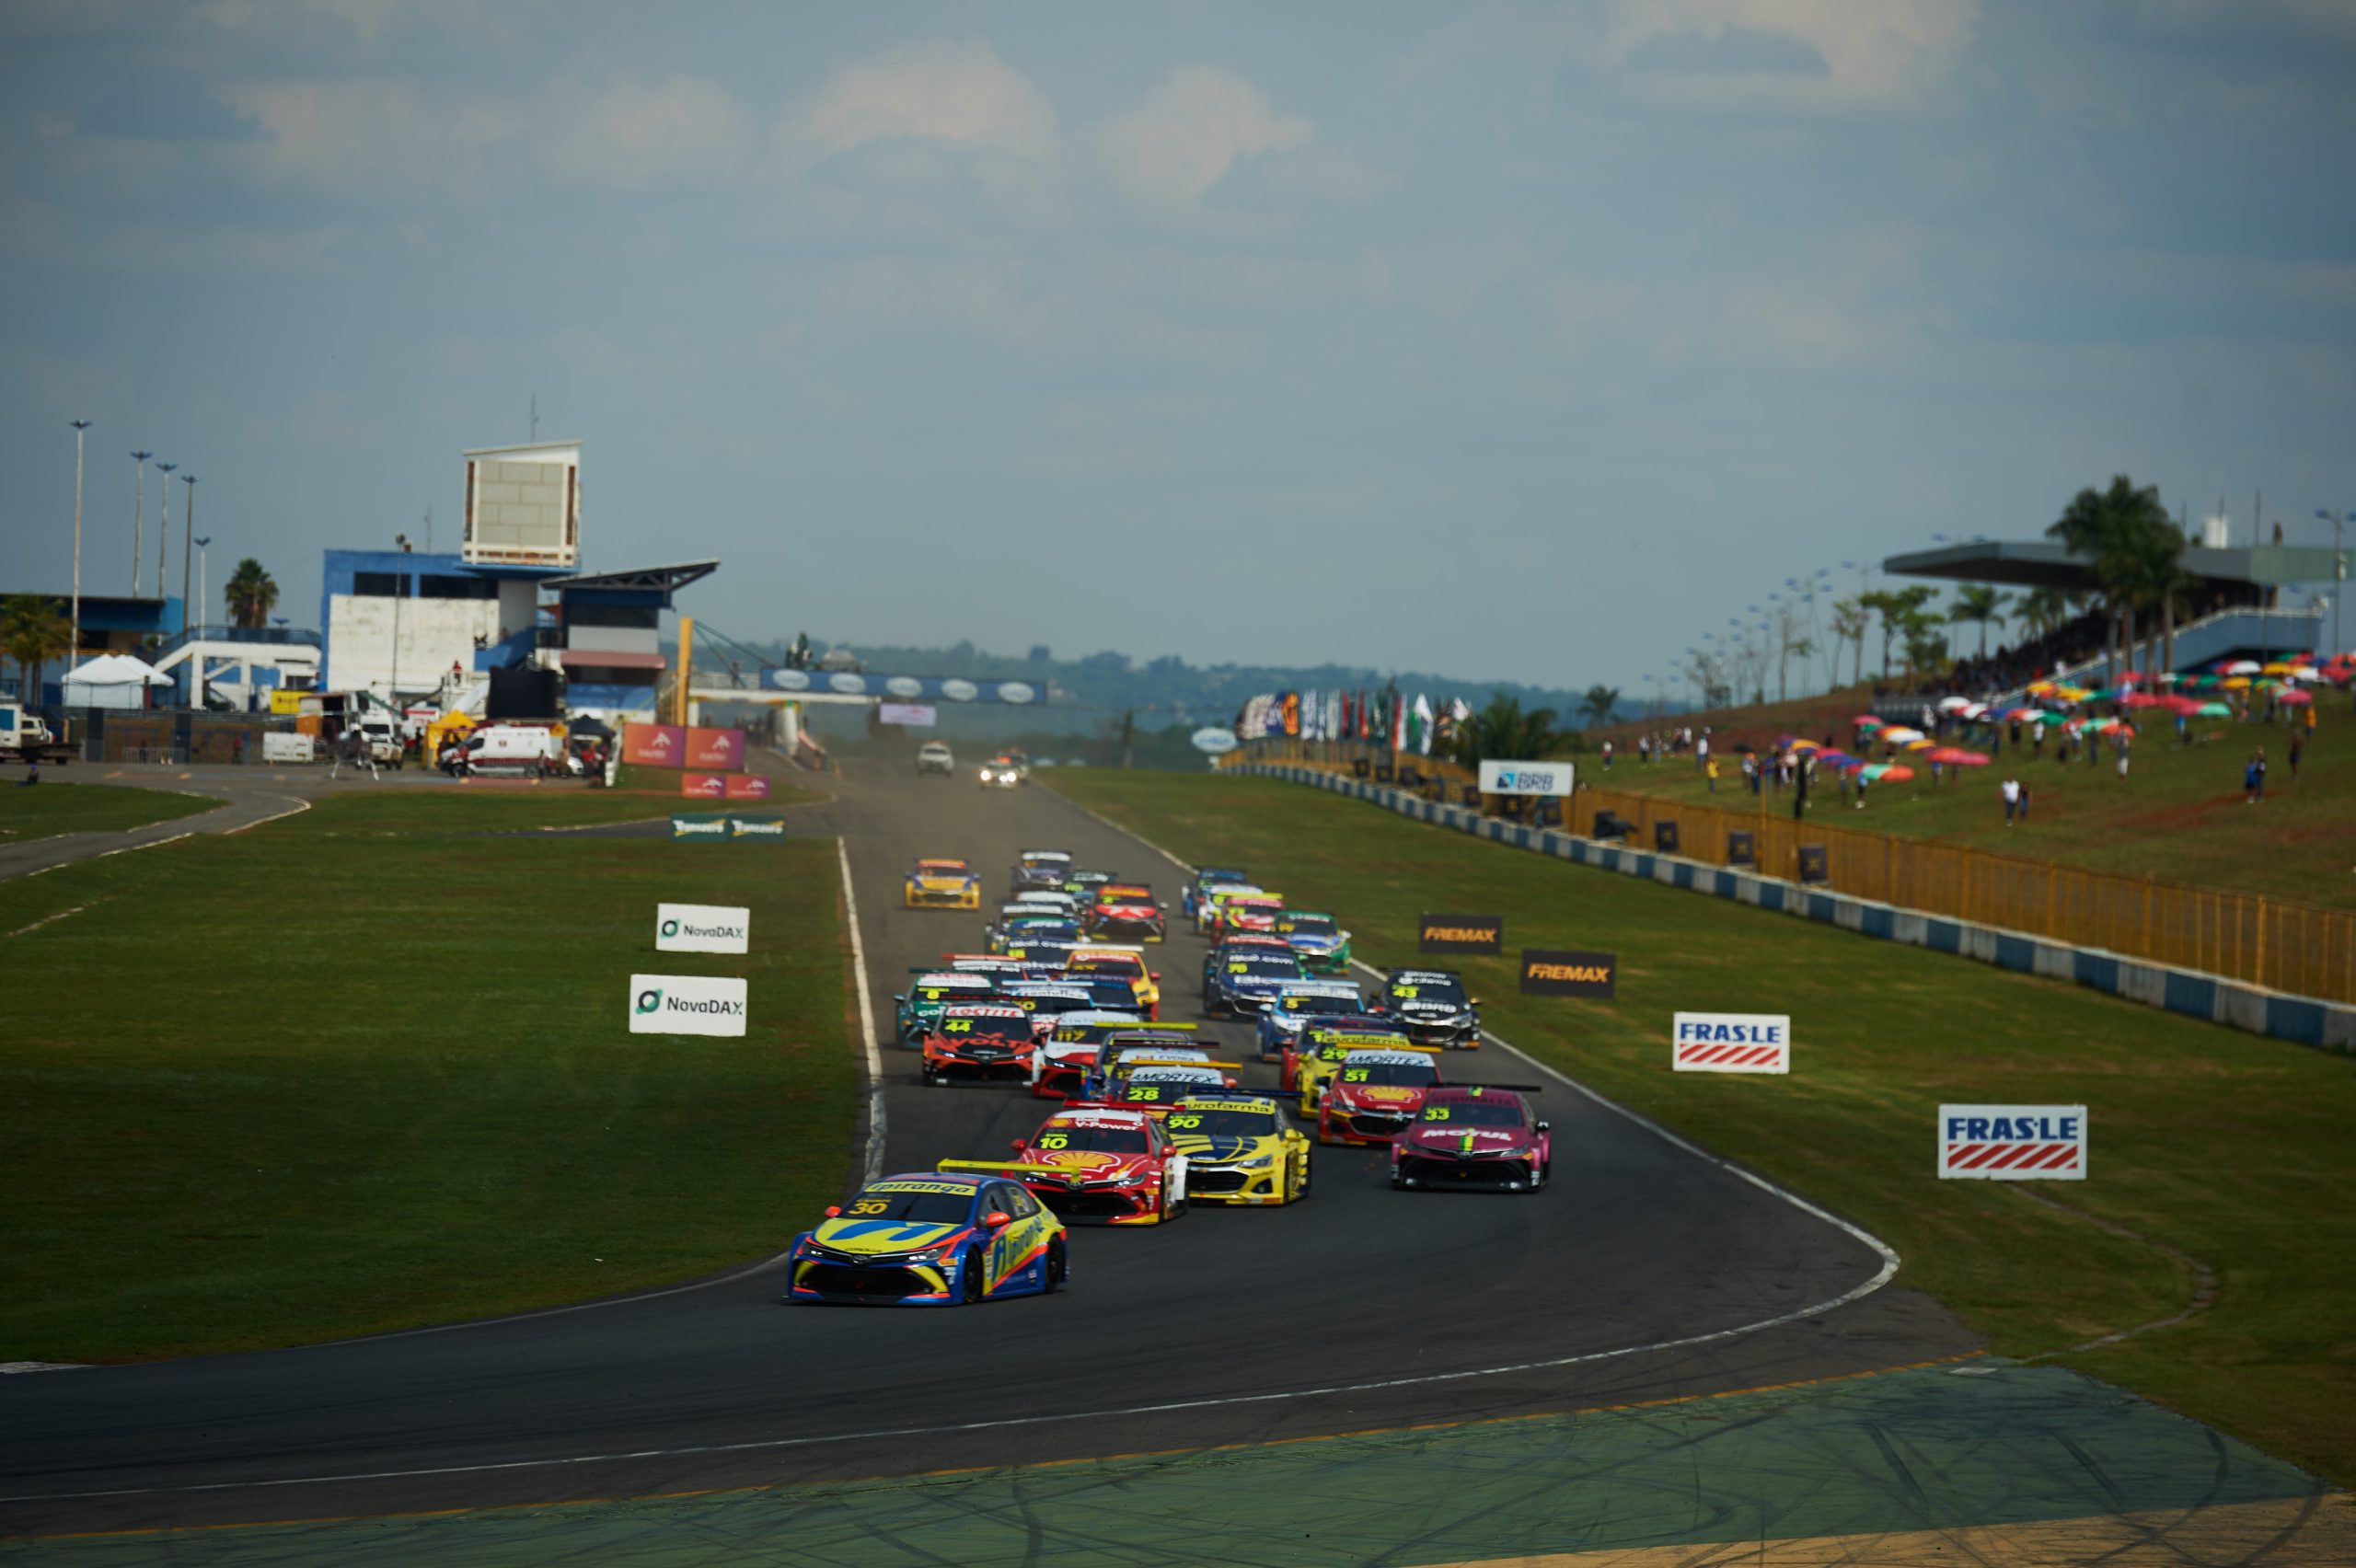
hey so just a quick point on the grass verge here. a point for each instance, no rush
(328, 1078)
(46, 811)
(2231, 1147)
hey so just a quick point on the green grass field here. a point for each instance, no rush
(2179, 816)
(47, 810)
(2230, 1148)
(340, 1075)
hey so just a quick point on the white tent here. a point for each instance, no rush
(111, 680)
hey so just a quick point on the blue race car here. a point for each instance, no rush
(1280, 1026)
(931, 1239)
(1192, 894)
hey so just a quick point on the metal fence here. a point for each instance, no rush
(2279, 943)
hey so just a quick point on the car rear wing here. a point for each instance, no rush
(1172, 1062)
(1516, 1088)
(1146, 1109)
(1017, 1168)
(1427, 1050)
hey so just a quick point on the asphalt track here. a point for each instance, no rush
(1639, 1275)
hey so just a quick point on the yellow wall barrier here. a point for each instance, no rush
(2279, 943)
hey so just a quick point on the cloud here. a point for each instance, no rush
(363, 139)
(1805, 54)
(368, 20)
(958, 95)
(633, 133)
(1181, 140)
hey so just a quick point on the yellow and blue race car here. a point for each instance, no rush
(1239, 1149)
(943, 884)
(931, 1239)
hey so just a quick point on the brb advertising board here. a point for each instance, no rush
(1526, 778)
(701, 927)
(2013, 1143)
(686, 1004)
(715, 751)
(748, 787)
(704, 785)
(1462, 933)
(1546, 973)
(1732, 1043)
(654, 745)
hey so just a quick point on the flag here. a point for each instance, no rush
(1423, 724)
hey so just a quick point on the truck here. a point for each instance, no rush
(25, 735)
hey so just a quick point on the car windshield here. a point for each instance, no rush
(1044, 862)
(1404, 1075)
(1297, 925)
(1189, 1121)
(1322, 1002)
(1109, 963)
(1261, 967)
(941, 867)
(1475, 1113)
(1439, 988)
(990, 1028)
(1093, 1139)
(937, 1206)
(1129, 906)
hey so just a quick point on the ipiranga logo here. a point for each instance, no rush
(686, 1004)
(701, 927)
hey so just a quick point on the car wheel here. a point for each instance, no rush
(1303, 1191)
(1059, 1266)
(970, 1277)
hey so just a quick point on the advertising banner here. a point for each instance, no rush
(701, 927)
(1664, 837)
(1741, 849)
(654, 745)
(908, 715)
(1462, 933)
(704, 785)
(1545, 973)
(686, 1004)
(1733, 1043)
(1214, 741)
(719, 751)
(2013, 1143)
(757, 828)
(280, 746)
(708, 827)
(748, 787)
(1815, 866)
(1526, 778)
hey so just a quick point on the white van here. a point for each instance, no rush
(532, 750)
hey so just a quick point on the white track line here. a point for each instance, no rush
(875, 1162)
(297, 809)
(151, 844)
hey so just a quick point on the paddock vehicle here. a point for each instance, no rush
(1376, 1093)
(1163, 1083)
(1318, 941)
(1128, 962)
(1068, 1051)
(1041, 868)
(1243, 983)
(918, 1009)
(25, 737)
(1239, 1149)
(1477, 1135)
(978, 1041)
(1222, 876)
(1432, 1006)
(1306, 1072)
(930, 1241)
(1297, 1000)
(934, 756)
(941, 885)
(1100, 1165)
(526, 749)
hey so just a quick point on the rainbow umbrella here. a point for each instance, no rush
(1899, 736)
(1866, 721)
(2295, 696)
(1956, 756)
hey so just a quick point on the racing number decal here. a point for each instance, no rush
(870, 1206)
(1404, 993)
(1238, 968)
(1353, 1075)
(1436, 1113)
(958, 1026)
(1186, 1121)
(1054, 1140)
(1143, 1091)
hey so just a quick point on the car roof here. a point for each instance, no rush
(982, 1010)
(931, 1178)
(1383, 1057)
(1477, 1092)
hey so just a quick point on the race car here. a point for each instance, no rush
(1026, 930)
(1238, 1149)
(1109, 991)
(1246, 911)
(934, 756)
(1098, 958)
(1044, 1000)
(916, 1008)
(1296, 1000)
(1242, 983)
(1041, 868)
(1210, 910)
(1000, 773)
(1082, 885)
(1318, 941)
(981, 1041)
(1100, 1165)
(1376, 1093)
(930, 1241)
(1160, 1083)
(1230, 942)
(1206, 896)
(1068, 1050)
(1042, 900)
(1124, 1053)
(1432, 1006)
(1479, 1136)
(943, 884)
(1126, 913)
(1226, 876)
(1304, 1070)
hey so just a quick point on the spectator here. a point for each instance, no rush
(2298, 745)
(2026, 791)
(1606, 754)
(2254, 777)
(2011, 792)
(2124, 736)
(1709, 768)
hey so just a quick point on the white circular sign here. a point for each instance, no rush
(1015, 691)
(847, 684)
(1216, 743)
(791, 680)
(905, 685)
(959, 691)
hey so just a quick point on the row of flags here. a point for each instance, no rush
(1380, 716)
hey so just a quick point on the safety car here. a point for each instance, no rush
(934, 756)
(1242, 982)
(1239, 1149)
(1478, 1136)
(1433, 1007)
(941, 885)
(1100, 1165)
(984, 1042)
(915, 1010)
(1375, 1092)
(1000, 773)
(930, 1239)
(1317, 940)
(1297, 1000)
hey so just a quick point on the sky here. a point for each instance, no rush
(1515, 340)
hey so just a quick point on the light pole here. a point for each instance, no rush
(2339, 572)
(139, 521)
(164, 536)
(201, 583)
(188, 537)
(196, 663)
(75, 656)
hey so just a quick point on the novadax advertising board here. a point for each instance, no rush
(701, 927)
(1462, 933)
(704, 785)
(1525, 779)
(748, 787)
(1733, 1043)
(686, 1004)
(1546, 973)
(2013, 1143)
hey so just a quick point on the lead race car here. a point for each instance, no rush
(943, 884)
(1098, 1165)
(1481, 1136)
(930, 1241)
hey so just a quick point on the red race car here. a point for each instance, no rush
(979, 1042)
(1096, 1164)
(1375, 1092)
(1485, 1137)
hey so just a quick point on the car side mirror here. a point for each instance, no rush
(898, 997)
(997, 1219)
(1545, 1126)
(1153, 975)
(1472, 1001)
(834, 1211)
(1021, 1144)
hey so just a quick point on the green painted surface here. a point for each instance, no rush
(1979, 1443)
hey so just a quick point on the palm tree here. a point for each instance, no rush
(1850, 619)
(33, 630)
(1597, 704)
(2111, 530)
(1978, 602)
(1503, 731)
(2041, 611)
(252, 593)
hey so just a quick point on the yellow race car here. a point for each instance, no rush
(1307, 1067)
(943, 884)
(1238, 1149)
(1102, 958)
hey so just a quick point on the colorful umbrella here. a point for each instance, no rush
(1866, 721)
(1956, 756)
(2241, 667)
(1900, 735)
(1921, 743)
(2238, 683)
(2043, 717)
(2213, 711)
(1895, 773)
(2278, 667)
(2144, 699)
(1949, 704)
(2295, 696)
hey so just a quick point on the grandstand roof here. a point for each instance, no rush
(2047, 563)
